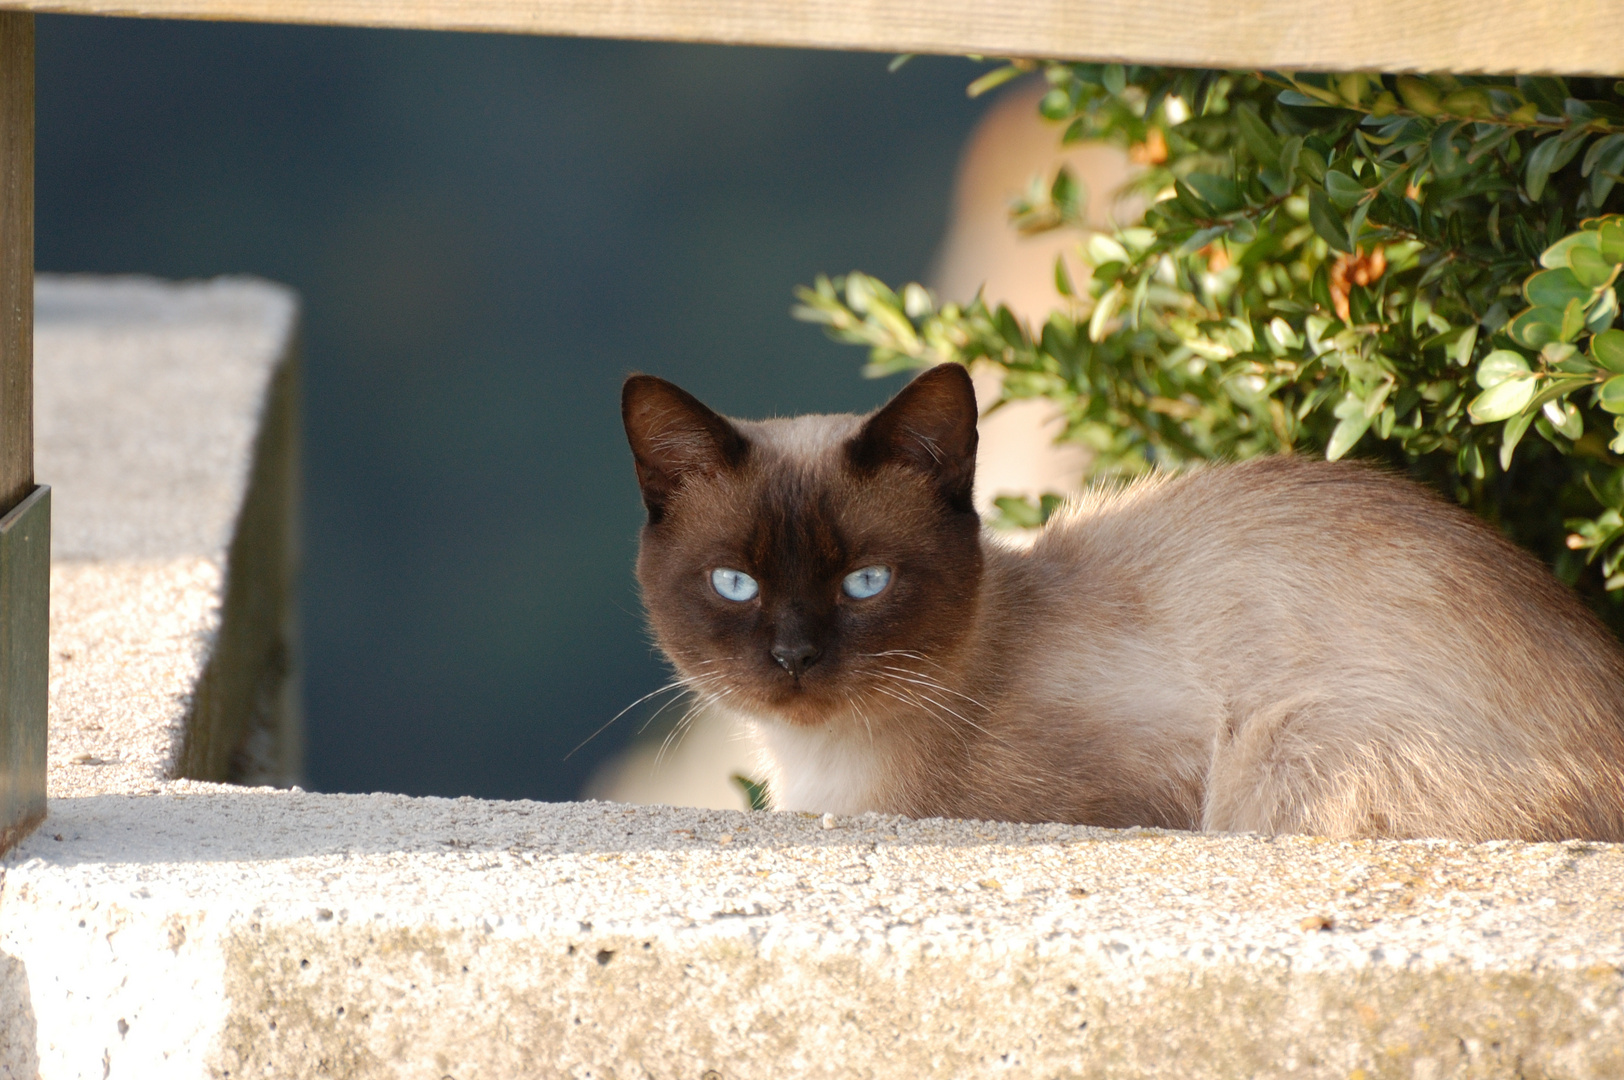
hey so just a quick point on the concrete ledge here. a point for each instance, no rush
(277, 934)
(167, 426)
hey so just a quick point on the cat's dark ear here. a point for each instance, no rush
(930, 426)
(674, 436)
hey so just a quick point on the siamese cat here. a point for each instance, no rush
(1279, 645)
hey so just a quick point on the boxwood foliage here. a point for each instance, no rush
(1421, 270)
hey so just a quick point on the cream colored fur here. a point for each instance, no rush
(1276, 646)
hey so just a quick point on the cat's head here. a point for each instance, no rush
(789, 562)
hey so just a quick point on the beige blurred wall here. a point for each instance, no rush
(983, 251)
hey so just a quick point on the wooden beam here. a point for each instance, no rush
(16, 258)
(1501, 36)
(25, 511)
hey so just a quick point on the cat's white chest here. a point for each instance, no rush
(820, 770)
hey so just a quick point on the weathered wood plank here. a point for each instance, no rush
(16, 258)
(1572, 37)
(25, 527)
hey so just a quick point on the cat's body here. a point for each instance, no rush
(1282, 645)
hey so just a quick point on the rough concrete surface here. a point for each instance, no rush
(264, 933)
(149, 401)
(128, 642)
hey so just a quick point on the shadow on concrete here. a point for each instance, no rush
(19, 1031)
(260, 824)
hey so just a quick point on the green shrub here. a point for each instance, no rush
(1417, 270)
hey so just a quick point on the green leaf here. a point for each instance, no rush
(1343, 189)
(1312, 163)
(1603, 163)
(1260, 139)
(1558, 387)
(1445, 158)
(1469, 101)
(1603, 312)
(1105, 309)
(1290, 150)
(1536, 327)
(1502, 401)
(1554, 288)
(1610, 240)
(1511, 435)
(1564, 417)
(1573, 320)
(1219, 192)
(1326, 222)
(1103, 249)
(1559, 253)
(1419, 95)
(1351, 426)
(1560, 355)
(1547, 92)
(1589, 267)
(1540, 164)
(1201, 238)
(1470, 459)
(1356, 224)
(1017, 512)
(1301, 100)
(1500, 365)
(1607, 350)
(1114, 78)
(917, 301)
(1192, 202)
(993, 80)
(755, 791)
(1611, 395)
(1461, 351)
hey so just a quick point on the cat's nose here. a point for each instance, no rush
(795, 658)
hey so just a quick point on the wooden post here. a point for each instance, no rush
(16, 258)
(25, 511)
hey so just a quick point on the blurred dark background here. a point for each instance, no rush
(489, 233)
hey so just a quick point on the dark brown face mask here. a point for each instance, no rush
(784, 557)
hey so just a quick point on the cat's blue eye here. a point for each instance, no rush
(734, 584)
(867, 582)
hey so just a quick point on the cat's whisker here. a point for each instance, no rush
(851, 700)
(665, 743)
(915, 678)
(921, 699)
(906, 654)
(910, 654)
(955, 713)
(675, 684)
(927, 681)
(930, 709)
(684, 725)
(656, 714)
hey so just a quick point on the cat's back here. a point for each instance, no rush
(1348, 618)
(1283, 525)
(1288, 568)
(1266, 501)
